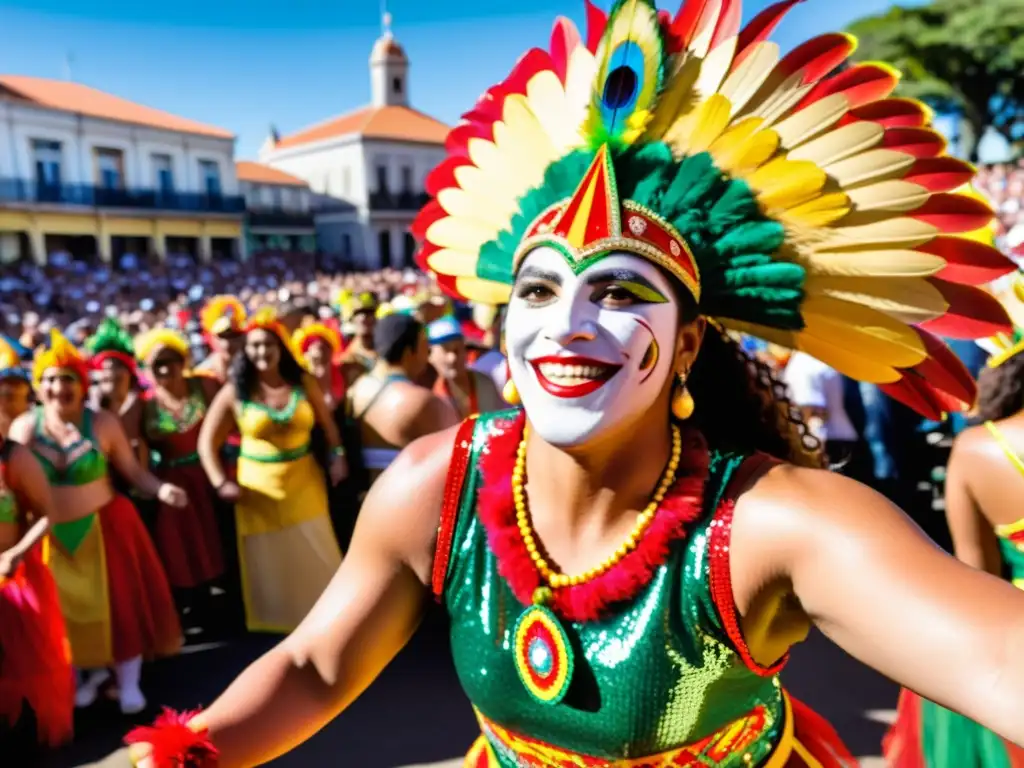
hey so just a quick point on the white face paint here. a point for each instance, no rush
(591, 352)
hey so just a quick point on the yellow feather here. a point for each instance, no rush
(894, 233)
(546, 98)
(745, 81)
(483, 291)
(889, 196)
(530, 150)
(579, 83)
(811, 121)
(871, 260)
(451, 262)
(459, 234)
(715, 67)
(783, 184)
(873, 165)
(744, 147)
(910, 300)
(840, 144)
(820, 212)
(678, 99)
(873, 333)
(775, 102)
(466, 206)
(710, 120)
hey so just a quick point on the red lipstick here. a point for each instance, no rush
(590, 383)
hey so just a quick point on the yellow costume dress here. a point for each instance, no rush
(286, 546)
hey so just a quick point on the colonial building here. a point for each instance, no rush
(95, 176)
(278, 209)
(367, 167)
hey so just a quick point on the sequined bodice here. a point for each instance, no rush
(78, 464)
(656, 675)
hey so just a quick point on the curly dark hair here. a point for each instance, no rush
(1001, 390)
(740, 403)
(244, 376)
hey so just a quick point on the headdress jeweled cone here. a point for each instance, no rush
(795, 199)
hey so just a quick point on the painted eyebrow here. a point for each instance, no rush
(625, 276)
(540, 274)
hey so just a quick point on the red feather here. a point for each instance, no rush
(860, 84)
(972, 314)
(428, 214)
(940, 174)
(817, 57)
(913, 393)
(968, 261)
(424, 252)
(688, 19)
(917, 142)
(174, 744)
(683, 504)
(943, 371)
(443, 175)
(457, 143)
(530, 63)
(953, 213)
(729, 18)
(597, 21)
(565, 38)
(890, 113)
(759, 28)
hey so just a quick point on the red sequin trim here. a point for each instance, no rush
(721, 589)
(450, 506)
(683, 504)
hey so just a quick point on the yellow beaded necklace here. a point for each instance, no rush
(557, 580)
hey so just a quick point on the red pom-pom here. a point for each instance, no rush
(174, 744)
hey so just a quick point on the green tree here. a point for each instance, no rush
(964, 55)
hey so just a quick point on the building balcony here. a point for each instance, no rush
(398, 201)
(279, 217)
(29, 192)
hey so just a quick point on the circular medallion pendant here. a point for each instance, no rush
(543, 655)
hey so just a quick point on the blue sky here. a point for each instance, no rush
(245, 65)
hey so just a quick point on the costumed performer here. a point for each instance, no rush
(37, 685)
(984, 485)
(286, 546)
(320, 348)
(358, 317)
(113, 592)
(629, 558)
(116, 382)
(222, 319)
(15, 387)
(468, 391)
(187, 538)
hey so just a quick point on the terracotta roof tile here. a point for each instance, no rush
(395, 123)
(75, 97)
(257, 173)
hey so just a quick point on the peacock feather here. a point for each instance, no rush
(822, 213)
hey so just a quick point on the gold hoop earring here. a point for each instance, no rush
(682, 401)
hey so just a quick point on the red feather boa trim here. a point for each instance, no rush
(174, 744)
(683, 504)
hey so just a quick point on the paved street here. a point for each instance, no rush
(415, 715)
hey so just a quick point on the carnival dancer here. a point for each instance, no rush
(320, 348)
(468, 391)
(188, 538)
(113, 591)
(116, 383)
(984, 485)
(222, 319)
(287, 549)
(629, 558)
(15, 387)
(391, 410)
(359, 318)
(37, 685)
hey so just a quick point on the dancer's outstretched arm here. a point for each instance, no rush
(367, 614)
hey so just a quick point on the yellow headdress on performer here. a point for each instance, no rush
(349, 303)
(266, 319)
(306, 335)
(149, 344)
(222, 314)
(60, 353)
(10, 362)
(790, 196)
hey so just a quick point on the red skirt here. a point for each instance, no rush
(188, 539)
(35, 660)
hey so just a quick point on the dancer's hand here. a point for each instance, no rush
(229, 491)
(172, 496)
(9, 561)
(338, 469)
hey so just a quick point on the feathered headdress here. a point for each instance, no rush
(60, 353)
(305, 336)
(349, 303)
(1004, 346)
(222, 314)
(794, 198)
(266, 320)
(10, 362)
(149, 344)
(111, 342)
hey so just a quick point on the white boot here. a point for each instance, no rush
(131, 698)
(89, 682)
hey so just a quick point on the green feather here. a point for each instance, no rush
(110, 337)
